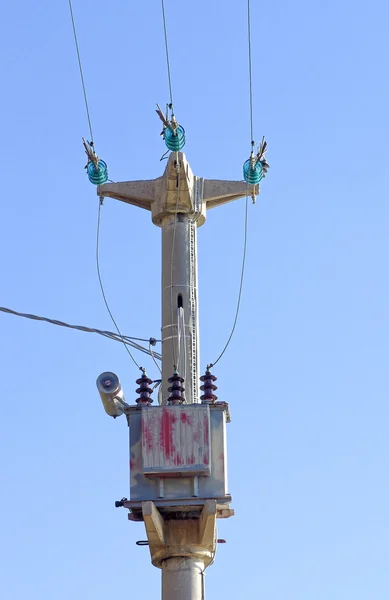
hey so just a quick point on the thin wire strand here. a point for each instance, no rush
(101, 283)
(152, 356)
(108, 334)
(250, 73)
(167, 54)
(240, 285)
(178, 340)
(81, 71)
(183, 340)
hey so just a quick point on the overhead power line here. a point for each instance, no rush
(240, 285)
(250, 72)
(102, 286)
(81, 72)
(167, 54)
(126, 340)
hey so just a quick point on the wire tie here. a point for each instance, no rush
(165, 155)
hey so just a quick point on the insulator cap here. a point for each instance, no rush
(97, 175)
(176, 389)
(252, 174)
(144, 390)
(208, 388)
(174, 138)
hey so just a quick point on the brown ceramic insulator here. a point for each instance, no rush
(208, 388)
(144, 390)
(176, 389)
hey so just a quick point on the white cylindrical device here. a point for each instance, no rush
(111, 393)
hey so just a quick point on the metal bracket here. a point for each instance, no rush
(171, 538)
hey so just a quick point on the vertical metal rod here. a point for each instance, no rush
(196, 485)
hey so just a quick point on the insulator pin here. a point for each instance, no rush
(208, 388)
(144, 390)
(176, 389)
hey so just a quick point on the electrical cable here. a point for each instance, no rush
(167, 55)
(178, 339)
(101, 283)
(252, 141)
(152, 356)
(250, 74)
(183, 339)
(108, 334)
(256, 166)
(181, 342)
(240, 286)
(172, 255)
(81, 72)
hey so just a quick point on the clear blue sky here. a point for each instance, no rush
(306, 374)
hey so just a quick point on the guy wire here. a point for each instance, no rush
(81, 72)
(101, 283)
(240, 285)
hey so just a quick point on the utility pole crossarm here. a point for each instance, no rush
(177, 191)
(137, 193)
(218, 192)
(142, 193)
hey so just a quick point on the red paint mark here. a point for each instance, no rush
(191, 460)
(166, 436)
(206, 458)
(132, 464)
(147, 436)
(185, 418)
(206, 430)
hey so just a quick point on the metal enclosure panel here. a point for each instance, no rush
(175, 440)
(168, 488)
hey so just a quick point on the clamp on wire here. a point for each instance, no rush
(96, 168)
(256, 167)
(173, 134)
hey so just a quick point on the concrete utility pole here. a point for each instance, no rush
(178, 457)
